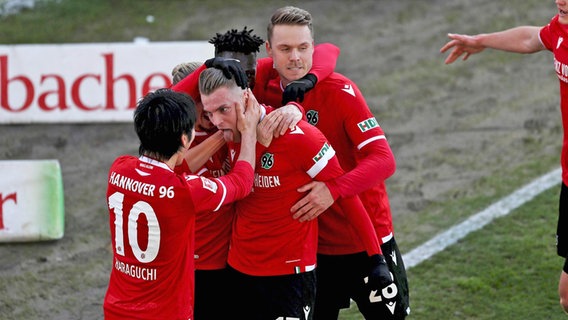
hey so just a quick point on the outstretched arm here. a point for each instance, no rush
(197, 155)
(522, 39)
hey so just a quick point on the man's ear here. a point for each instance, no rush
(186, 140)
(268, 48)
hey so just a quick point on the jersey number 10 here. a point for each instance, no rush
(115, 203)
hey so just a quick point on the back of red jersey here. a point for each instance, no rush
(212, 229)
(152, 216)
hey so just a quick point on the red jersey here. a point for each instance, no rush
(212, 230)
(266, 240)
(152, 215)
(337, 107)
(554, 37)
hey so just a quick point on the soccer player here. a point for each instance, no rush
(213, 231)
(152, 209)
(336, 107)
(273, 255)
(531, 39)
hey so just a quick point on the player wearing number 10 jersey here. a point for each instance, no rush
(152, 209)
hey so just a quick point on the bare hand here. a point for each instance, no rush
(289, 116)
(248, 119)
(314, 203)
(265, 129)
(461, 44)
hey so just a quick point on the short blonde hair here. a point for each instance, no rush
(212, 79)
(290, 15)
(183, 69)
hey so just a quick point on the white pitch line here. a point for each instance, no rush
(482, 218)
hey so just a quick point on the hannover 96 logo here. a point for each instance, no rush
(312, 117)
(267, 161)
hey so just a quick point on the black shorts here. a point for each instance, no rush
(209, 286)
(341, 278)
(285, 297)
(562, 227)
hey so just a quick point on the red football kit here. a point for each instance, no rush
(554, 37)
(212, 231)
(266, 240)
(337, 107)
(152, 215)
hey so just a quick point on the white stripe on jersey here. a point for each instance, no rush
(366, 142)
(224, 195)
(321, 163)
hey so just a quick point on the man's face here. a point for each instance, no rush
(291, 47)
(248, 62)
(202, 122)
(221, 108)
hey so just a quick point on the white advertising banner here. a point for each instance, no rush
(89, 82)
(31, 200)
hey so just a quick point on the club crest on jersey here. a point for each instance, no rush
(368, 124)
(208, 184)
(267, 161)
(312, 117)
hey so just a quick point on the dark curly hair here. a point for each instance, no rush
(238, 41)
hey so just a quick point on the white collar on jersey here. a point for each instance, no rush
(155, 162)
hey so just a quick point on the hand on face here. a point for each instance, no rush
(248, 118)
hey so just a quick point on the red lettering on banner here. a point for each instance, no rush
(76, 93)
(55, 98)
(11, 196)
(146, 85)
(109, 68)
(4, 84)
(59, 93)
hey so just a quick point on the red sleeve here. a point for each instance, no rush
(264, 72)
(358, 217)
(190, 84)
(269, 109)
(377, 158)
(238, 181)
(325, 60)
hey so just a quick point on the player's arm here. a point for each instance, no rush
(197, 156)
(247, 120)
(239, 180)
(190, 84)
(231, 69)
(377, 158)
(523, 39)
(379, 274)
(277, 121)
(326, 167)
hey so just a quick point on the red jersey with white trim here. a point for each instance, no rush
(266, 240)
(152, 215)
(337, 107)
(212, 229)
(554, 37)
